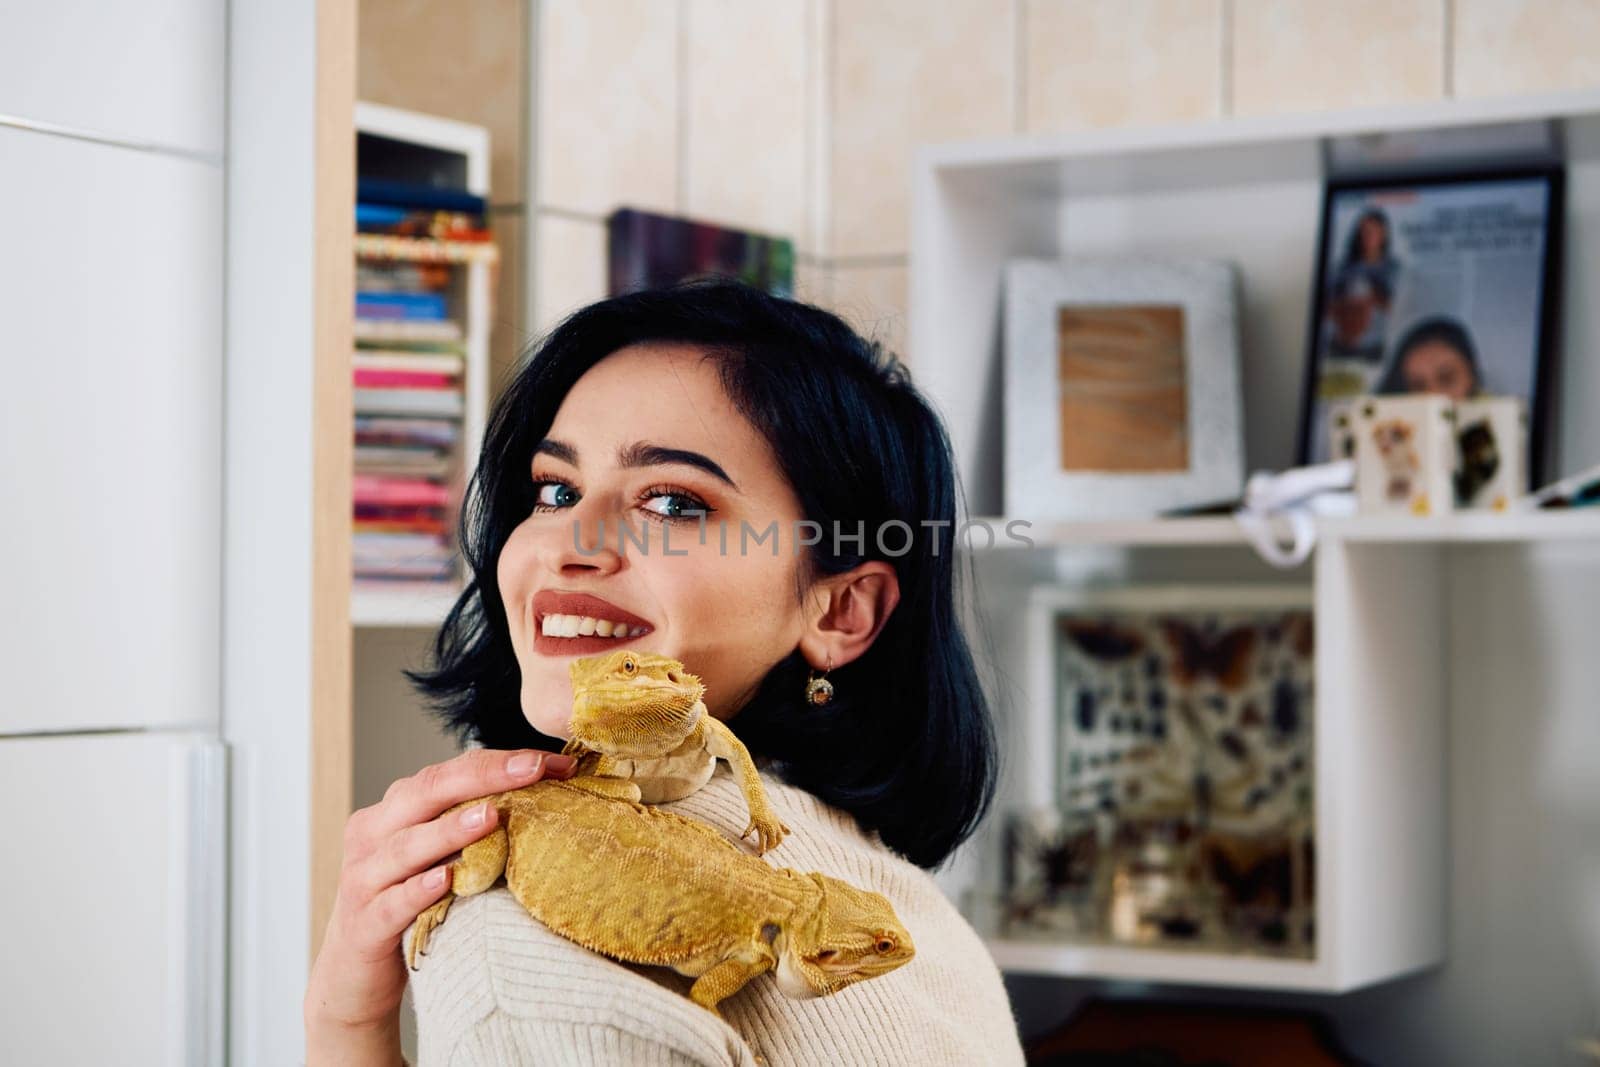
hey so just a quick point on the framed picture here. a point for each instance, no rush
(1122, 393)
(645, 250)
(1443, 284)
(1184, 723)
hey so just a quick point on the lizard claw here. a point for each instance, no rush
(770, 832)
(430, 918)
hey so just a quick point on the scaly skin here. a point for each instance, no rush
(640, 716)
(649, 886)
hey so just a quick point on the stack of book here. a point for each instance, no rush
(409, 366)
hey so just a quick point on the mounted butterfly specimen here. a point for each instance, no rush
(1200, 718)
(1200, 652)
(1047, 859)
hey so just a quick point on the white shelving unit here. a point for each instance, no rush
(1427, 629)
(378, 602)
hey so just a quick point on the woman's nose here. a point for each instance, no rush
(589, 538)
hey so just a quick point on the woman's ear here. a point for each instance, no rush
(845, 613)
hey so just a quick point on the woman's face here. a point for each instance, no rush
(1371, 239)
(728, 615)
(1438, 367)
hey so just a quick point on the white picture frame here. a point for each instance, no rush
(1036, 291)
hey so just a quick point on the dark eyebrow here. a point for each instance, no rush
(640, 454)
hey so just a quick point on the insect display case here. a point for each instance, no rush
(1182, 808)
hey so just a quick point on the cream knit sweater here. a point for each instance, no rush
(496, 987)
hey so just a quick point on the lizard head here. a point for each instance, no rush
(632, 703)
(856, 936)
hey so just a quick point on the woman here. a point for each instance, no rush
(767, 466)
(1436, 355)
(1362, 290)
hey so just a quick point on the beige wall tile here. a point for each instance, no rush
(460, 61)
(608, 94)
(510, 331)
(873, 300)
(745, 115)
(1309, 55)
(569, 267)
(1114, 62)
(813, 282)
(905, 72)
(1520, 46)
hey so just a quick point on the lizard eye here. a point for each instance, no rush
(885, 946)
(628, 665)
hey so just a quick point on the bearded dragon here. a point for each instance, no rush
(640, 716)
(650, 886)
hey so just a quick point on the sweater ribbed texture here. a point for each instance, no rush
(497, 987)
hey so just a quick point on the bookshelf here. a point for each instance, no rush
(422, 354)
(1440, 644)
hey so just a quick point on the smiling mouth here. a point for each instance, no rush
(570, 627)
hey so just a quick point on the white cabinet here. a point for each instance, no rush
(110, 435)
(113, 898)
(149, 73)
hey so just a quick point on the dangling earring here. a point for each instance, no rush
(820, 690)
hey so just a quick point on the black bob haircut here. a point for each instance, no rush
(906, 745)
(1440, 329)
(1352, 246)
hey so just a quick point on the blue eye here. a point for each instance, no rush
(683, 506)
(565, 496)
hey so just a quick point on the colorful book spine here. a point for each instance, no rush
(401, 331)
(414, 492)
(378, 379)
(431, 363)
(397, 305)
(408, 402)
(414, 195)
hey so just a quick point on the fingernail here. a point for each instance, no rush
(474, 816)
(435, 878)
(523, 765)
(560, 763)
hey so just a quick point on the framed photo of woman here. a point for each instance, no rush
(1439, 284)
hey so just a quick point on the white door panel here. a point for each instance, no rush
(110, 436)
(113, 899)
(145, 72)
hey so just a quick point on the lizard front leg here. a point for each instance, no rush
(480, 864)
(607, 776)
(721, 743)
(728, 977)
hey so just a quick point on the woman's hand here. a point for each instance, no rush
(391, 872)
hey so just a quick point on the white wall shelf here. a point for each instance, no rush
(424, 604)
(1431, 634)
(1462, 527)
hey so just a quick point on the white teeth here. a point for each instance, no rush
(585, 626)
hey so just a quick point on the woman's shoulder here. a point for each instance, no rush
(491, 973)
